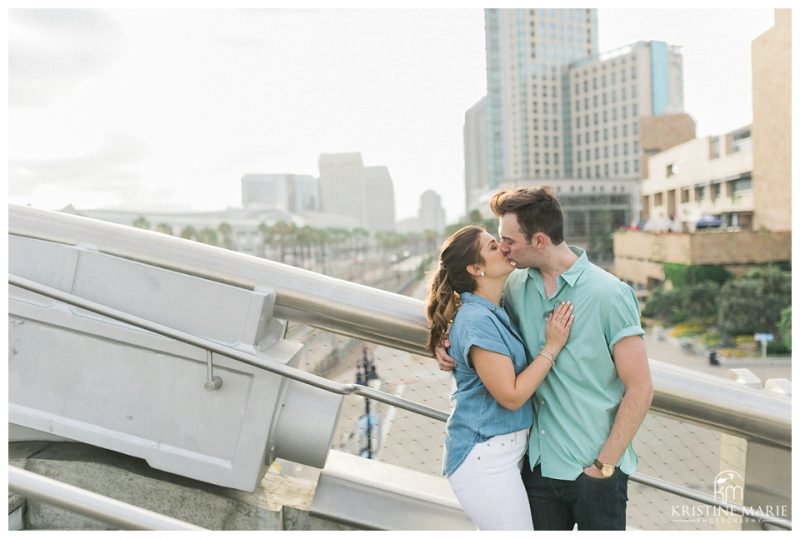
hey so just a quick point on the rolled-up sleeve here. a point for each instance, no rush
(624, 317)
(482, 332)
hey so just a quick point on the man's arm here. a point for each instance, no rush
(633, 368)
(446, 363)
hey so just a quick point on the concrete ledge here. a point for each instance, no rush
(378, 496)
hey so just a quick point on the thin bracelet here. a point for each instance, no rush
(548, 355)
(548, 358)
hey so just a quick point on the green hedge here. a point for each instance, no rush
(682, 275)
(785, 327)
(698, 302)
(754, 302)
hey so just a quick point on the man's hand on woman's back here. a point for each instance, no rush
(446, 363)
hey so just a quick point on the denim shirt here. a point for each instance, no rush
(477, 416)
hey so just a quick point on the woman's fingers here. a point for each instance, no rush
(562, 312)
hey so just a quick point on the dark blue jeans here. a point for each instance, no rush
(592, 504)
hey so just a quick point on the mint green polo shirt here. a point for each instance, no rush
(576, 404)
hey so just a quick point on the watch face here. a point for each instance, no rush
(608, 470)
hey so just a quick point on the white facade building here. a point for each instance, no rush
(378, 200)
(294, 193)
(608, 97)
(350, 189)
(709, 177)
(476, 167)
(431, 212)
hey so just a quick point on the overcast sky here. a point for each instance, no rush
(167, 109)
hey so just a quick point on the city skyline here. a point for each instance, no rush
(267, 91)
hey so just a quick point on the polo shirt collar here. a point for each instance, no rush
(572, 275)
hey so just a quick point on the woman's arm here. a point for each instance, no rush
(496, 371)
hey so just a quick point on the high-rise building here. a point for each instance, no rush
(306, 194)
(557, 109)
(293, 193)
(431, 212)
(608, 97)
(349, 188)
(341, 184)
(378, 200)
(476, 171)
(527, 51)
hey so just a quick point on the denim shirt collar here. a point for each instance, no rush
(469, 297)
(498, 311)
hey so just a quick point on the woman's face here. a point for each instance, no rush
(495, 263)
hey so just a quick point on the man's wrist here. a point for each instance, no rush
(606, 469)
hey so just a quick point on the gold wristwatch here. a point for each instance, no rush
(606, 469)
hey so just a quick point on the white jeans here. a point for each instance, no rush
(489, 486)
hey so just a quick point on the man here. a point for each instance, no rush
(593, 401)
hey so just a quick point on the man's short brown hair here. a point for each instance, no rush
(537, 210)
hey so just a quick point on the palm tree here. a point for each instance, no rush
(267, 237)
(361, 236)
(303, 239)
(322, 237)
(430, 240)
(141, 222)
(189, 233)
(208, 235)
(225, 231)
(164, 228)
(282, 231)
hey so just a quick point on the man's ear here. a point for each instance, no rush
(539, 240)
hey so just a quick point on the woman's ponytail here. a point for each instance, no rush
(441, 307)
(460, 250)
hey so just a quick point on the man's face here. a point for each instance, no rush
(513, 243)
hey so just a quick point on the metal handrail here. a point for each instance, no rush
(303, 296)
(267, 364)
(337, 387)
(389, 319)
(90, 504)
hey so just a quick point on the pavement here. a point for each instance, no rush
(670, 350)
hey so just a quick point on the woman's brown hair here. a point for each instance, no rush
(452, 278)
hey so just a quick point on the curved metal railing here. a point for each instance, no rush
(381, 317)
(389, 319)
(90, 504)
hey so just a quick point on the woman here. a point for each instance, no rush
(487, 433)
